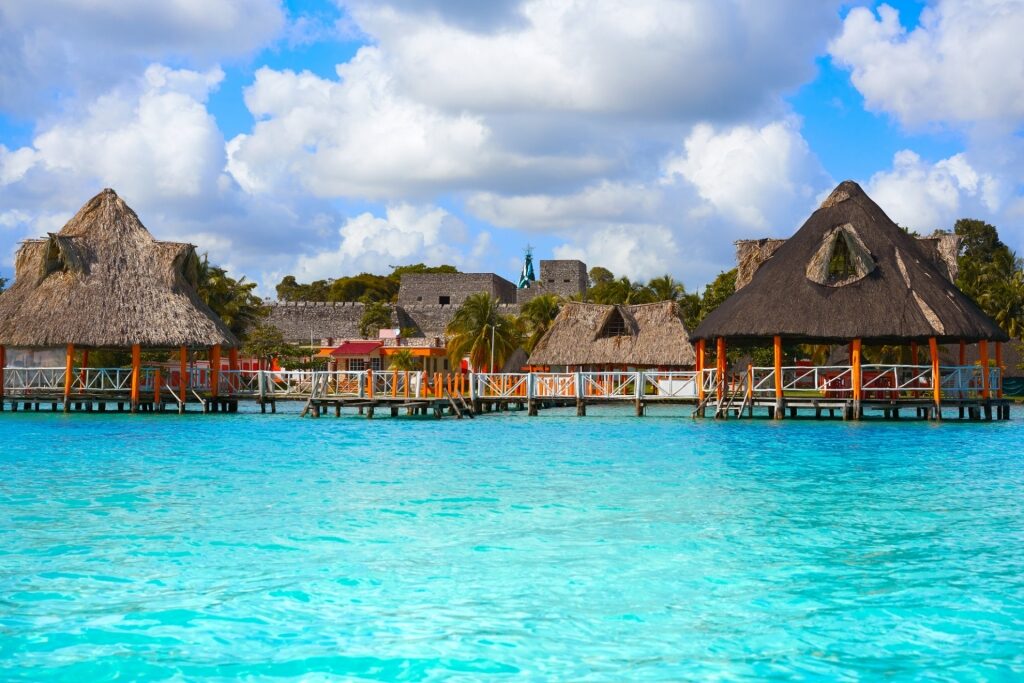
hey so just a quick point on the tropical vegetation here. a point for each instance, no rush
(365, 287)
(477, 327)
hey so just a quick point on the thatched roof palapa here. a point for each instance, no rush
(892, 287)
(104, 281)
(643, 335)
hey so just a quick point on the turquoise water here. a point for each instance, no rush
(550, 548)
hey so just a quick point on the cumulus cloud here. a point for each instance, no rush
(49, 46)
(963, 63)
(689, 58)
(758, 177)
(925, 197)
(361, 136)
(637, 251)
(405, 234)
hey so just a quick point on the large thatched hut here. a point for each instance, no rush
(103, 281)
(849, 275)
(595, 336)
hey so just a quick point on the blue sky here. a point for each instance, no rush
(324, 138)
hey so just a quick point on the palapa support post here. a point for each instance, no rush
(720, 369)
(157, 379)
(235, 384)
(215, 370)
(983, 353)
(963, 353)
(780, 407)
(3, 364)
(913, 351)
(69, 367)
(638, 392)
(136, 372)
(933, 350)
(855, 377)
(182, 378)
(700, 371)
(581, 405)
(998, 370)
(369, 383)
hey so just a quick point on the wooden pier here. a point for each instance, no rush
(885, 391)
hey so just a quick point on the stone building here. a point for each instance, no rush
(426, 303)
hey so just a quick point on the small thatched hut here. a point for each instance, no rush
(849, 275)
(103, 281)
(596, 336)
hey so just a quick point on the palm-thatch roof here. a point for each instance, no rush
(643, 335)
(888, 287)
(103, 281)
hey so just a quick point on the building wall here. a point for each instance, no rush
(566, 278)
(452, 288)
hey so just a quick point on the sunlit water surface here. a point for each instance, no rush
(557, 547)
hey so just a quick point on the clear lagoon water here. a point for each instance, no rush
(550, 548)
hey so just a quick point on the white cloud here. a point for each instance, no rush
(679, 58)
(49, 46)
(758, 177)
(406, 234)
(963, 63)
(360, 136)
(636, 251)
(605, 202)
(924, 196)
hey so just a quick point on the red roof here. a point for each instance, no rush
(357, 348)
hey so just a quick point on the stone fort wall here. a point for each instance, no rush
(426, 302)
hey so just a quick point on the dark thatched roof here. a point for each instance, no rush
(644, 335)
(103, 281)
(893, 292)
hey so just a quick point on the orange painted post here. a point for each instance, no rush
(720, 363)
(235, 383)
(156, 387)
(215, 370)
(136, 372)
(394, 383)
(777, 357)
(69, 363)
(182, 376)
(855, 376)
(437, 385)
(369, 382)
(999, 369)
(700, 370)
(750, 382)
(405, 389)
(933, 350)
(983, 352)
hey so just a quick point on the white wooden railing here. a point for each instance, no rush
(877, 381)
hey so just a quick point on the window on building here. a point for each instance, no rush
(419, 298)
(566, 280)
(377, 364)
(444, 300)
(356, 364)
(614, 326)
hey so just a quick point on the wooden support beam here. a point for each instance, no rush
(933, 350)
(720, 365)
(913, 351)
(182, 376)
(983, 353)
(963, 353)
(999, 369)
(136, 372)
(855, 376)
(234, 384)
(69, 367)
(215, 370)
(3, 364)
(700, 371)
(157, 380)
(777, 349)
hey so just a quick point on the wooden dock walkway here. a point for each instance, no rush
(886, 391)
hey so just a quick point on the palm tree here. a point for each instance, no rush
(232, 300)
(474, 324)
(403, 360)
(666, 288)
(536, 317)
(1001, 286)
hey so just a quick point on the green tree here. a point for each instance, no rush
(234, 301)
(470, 333)
(536, 318)
(266, 341)
(991, 274)
(376, 316)
(3, 283)
(666, 288)
(720, 289)
(403, 360)
(599, 275)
